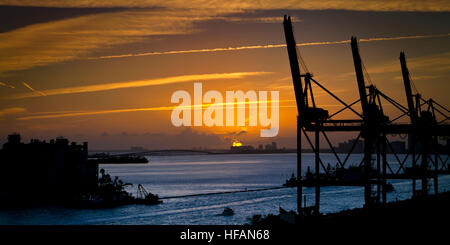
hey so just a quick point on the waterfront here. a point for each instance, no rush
(170, 176)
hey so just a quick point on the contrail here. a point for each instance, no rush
(62, 114)
(32, 89)
(12, 111)
(266, 46)
(161, 108)
(6, 85)
(134, 84)
(191, 51)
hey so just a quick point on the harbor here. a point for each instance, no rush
(225, 121)
(171, 176)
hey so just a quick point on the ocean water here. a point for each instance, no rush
(170, 176)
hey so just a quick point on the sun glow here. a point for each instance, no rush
(237, 143)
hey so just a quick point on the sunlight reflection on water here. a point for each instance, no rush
(186, 175)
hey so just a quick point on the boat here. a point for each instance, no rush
(118, 159)
(291, 182)
(227, 211)
(339, 176)
(145, 197)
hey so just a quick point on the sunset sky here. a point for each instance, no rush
(104, 71)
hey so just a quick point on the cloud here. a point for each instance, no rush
(426, 65)
(134, 84)
(234, 135)
(430, 63)
(420, 68)
(6, 85)
(12, 111)
(186, 138)
(90, 113)
(32, 89)
(68, 39)
(62, 114)
(237, 5)
(425, 77)
(192, 51)
(320, 43)
(268, 19)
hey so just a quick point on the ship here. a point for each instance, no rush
(351, 176)
(145, 197)
(227, 211)
(112, 193)
(106, 158)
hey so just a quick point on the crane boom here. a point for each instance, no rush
(368, 130)
(298, 89)
(359, 76)
(407, 82)
(293, 61)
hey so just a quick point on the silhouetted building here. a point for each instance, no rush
(242, 149)
(345, 147)
(137, 148)
(41, 171)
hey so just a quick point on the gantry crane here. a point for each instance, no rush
(372, 124)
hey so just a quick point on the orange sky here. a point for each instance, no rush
(104, 71)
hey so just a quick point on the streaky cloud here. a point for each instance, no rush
(12, 111)
(59, 41)
(48, 115)
(33, 90)
(265, 46)
(424, 66)
(134, 84)
(6, 85)
(239, 5)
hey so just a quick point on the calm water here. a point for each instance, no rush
(184, 175)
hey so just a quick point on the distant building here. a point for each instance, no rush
(345, 147)
(242, 149)
(274, 145)
(40, 171)
(137, 149)
(238, 147)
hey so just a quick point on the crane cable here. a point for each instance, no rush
(301, 61)
(366, 74)
(299, 56)
(412, 83)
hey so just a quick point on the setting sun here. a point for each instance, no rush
(237, 144)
